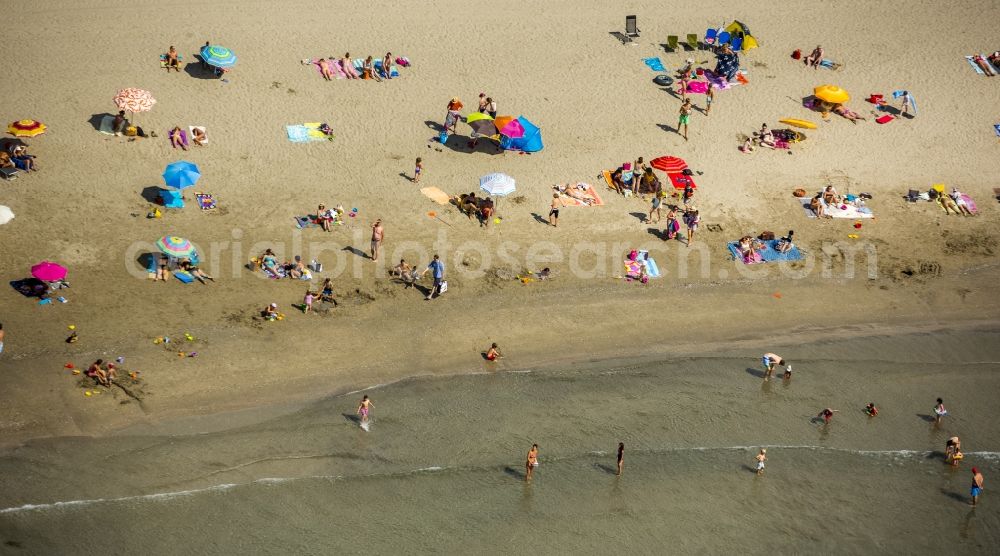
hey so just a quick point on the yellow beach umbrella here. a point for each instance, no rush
(832, 94)
(26, 128)
(476, 116)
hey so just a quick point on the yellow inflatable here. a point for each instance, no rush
(804, 124)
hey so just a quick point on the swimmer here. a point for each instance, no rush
(761, 457)
(770, 360)
(531, 463)
(871, 410)
(827, 414)
(364, 407)
(621, 457)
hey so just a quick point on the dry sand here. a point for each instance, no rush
(556, 63)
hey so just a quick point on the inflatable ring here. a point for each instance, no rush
(663, 80)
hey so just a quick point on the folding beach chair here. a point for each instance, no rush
(631, 30)
(710, 36)
(737, 44)
(692, 41)
(912, 195)
(723, 38)
(672, 43)
(8, 173)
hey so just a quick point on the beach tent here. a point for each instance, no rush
(530, 142)
(737, 29)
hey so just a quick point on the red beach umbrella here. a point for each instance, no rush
(669, 164)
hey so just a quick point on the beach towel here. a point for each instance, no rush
(697, 87)
(719, 82)
(835, 211)
(975, 66)
(334, 68)
(768, 254)
(654, 64)
(184, 276)
(586, 196)
(996, 128)
(29, 287)
(885, 119)
(184, 136)
(969, 203)
(107, 126)
(308, 221)
(829, 64)
(297, 133)
(172, 199)
(633, 269)
(378, 67)
(679, 181)
(314, 134)
(436, 195)
(200, 128)
(205, 201)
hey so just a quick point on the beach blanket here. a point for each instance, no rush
(969, 203)
(205, 201)
(184, 276)
(768, 254)
(654, 64)
(633, 269)
(29, 287)
(586, 196)
(850, 211)
(996, 128)
(107, 126)
(184, 136)
(697, 87)
(308, 221)
(719, 82)
(436, 195)
(335, 68)
(305, 133)
(171, 198)
(200, 128)
(679, 181)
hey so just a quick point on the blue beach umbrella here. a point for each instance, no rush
(218, 56)
(181, 174)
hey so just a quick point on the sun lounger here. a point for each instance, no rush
(672, 43)
(631, 28)
(9, 174)
(692, 41)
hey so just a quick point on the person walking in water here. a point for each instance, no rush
(364, 408)
(621, 457)
(531, 463)
(761, 457)
(827, 414)
(977, 486)
(939, 411)
(770, 360)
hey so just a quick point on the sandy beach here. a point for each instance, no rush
(912, 273)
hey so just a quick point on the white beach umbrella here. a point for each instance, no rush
(497, 185)
(6, 215)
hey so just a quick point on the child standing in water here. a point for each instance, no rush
(531, 463)
(363, 409)
(621, 457)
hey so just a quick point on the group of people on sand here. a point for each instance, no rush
(346, 66)
(268, 263)
(177, 138)
(17, 157)
(166, 264)
(471, 205)
(454, 115)
(954, 202)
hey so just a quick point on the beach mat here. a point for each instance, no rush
(307, 221)
(205, 201)
(835, 211)
(29, 287)
(305, 133)
(654, 64)
(436, 195)
(589, 193)
(200, 128)
(766, 255)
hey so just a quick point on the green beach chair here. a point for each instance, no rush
(672, 43)
(692, 41)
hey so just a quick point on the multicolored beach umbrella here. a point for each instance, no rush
(174, 246)
(134, 100)
(181, 174)
(48, 271)
(26, 128)
(218, 56)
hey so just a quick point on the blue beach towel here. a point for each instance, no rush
(297, 133)
(654, 64)
(768, 254)
(996, 128)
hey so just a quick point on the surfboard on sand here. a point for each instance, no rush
(804, 124)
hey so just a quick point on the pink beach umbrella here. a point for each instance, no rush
(48, 271)
(513, 129)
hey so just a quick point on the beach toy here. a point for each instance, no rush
(353, 214)
(355, 209)
(87, 393)
(180, 354)
(852, 236)
(69, 366)
(795, 122)
(857, 225)
(496, 220)
(188, 337)
(193, 354)
(71, 327)
(76, 371)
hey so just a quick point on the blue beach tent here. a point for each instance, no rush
(531, 141)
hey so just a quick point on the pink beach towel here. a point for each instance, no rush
(697, 87)
(348, 69)
(334, 68)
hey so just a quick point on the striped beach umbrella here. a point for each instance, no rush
(497, 185)
(218, 56)
(26, 128)
(175, 246)
(48, 271)
(134, 100)
(181, 174)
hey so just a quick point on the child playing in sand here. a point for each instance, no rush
(307, 301)
(418, 169)
(493, 353)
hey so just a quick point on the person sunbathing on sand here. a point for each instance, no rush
(324, 69)
(815, 58)
(176, 139)
(369, 70)
(348, 66)
(948, 204)
(841, 110)
(963, 207)
(198, 136)
(195, 271)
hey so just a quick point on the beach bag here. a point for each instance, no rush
(766, 236)
(797, 54)
(443, 137)
(633, 255)
(444, 287)
(799, 192)
(131, 131)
